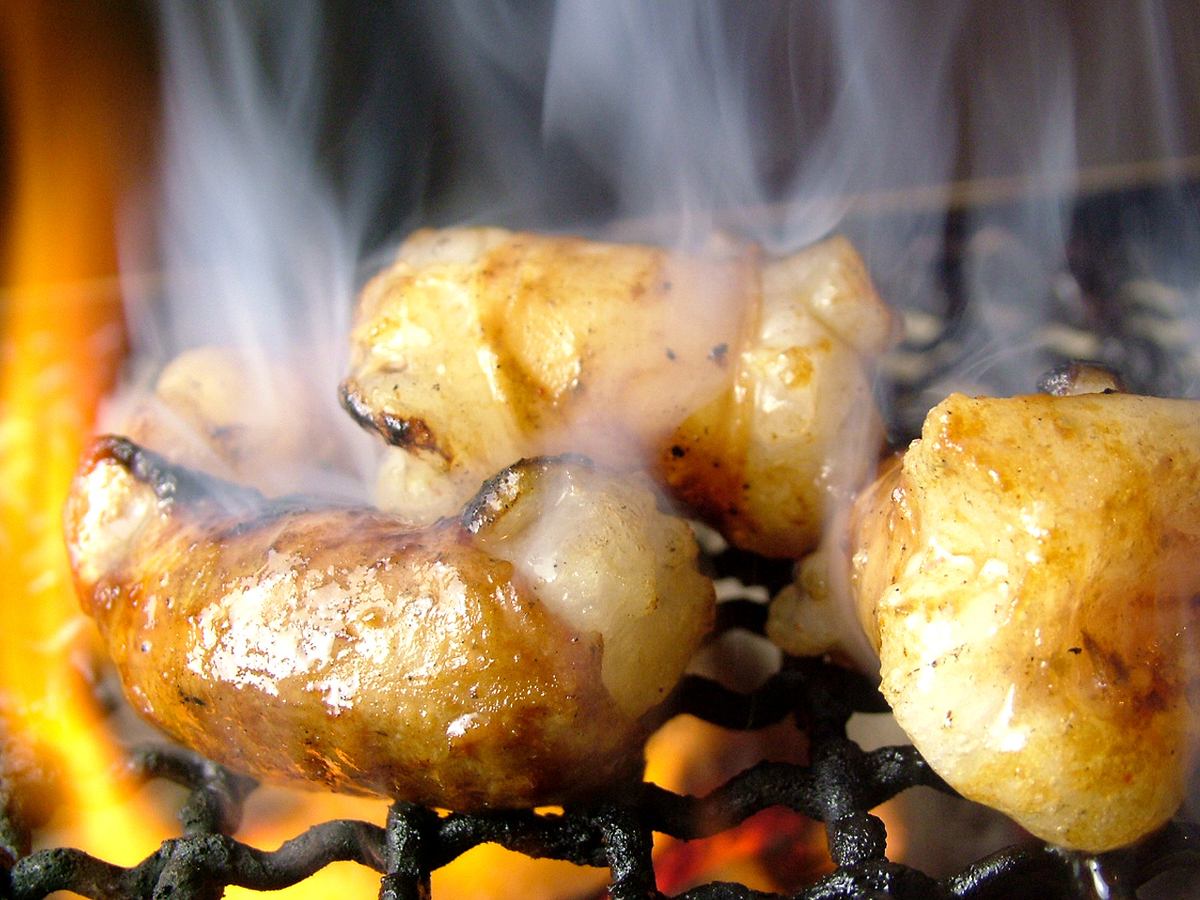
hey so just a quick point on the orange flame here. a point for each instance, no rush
(76, 88)
(775, 850)
(62, 339)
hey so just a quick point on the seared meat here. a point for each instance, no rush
(743, 385)
(509, 657)
(1028, 575)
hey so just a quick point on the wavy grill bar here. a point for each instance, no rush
(839, 787)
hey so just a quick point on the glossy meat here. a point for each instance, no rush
(742, 384)
(1029, 576)
(473, 664)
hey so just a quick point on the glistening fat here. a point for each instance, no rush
(512, 656)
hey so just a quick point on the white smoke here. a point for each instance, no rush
(258, 249)
(761, 118)
(302, 139)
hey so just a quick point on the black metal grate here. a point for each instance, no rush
(839, 787)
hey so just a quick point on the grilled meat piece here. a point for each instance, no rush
(513, 656)
(742, 384)
(1028, 575)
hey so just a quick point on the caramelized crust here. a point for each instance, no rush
(344, 648)
(743, 384)
(1029, 576)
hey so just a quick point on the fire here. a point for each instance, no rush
(772, 851)
(62, 339)
(775, 851)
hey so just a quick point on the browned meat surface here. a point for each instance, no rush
(1029, 575)
(471, 664)
(742, 383)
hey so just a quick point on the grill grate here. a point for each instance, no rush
(839, 787)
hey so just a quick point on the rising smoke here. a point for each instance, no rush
(302, 141)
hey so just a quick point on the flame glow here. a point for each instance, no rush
(62, 338)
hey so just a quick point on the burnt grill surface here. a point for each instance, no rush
(1123, 285)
